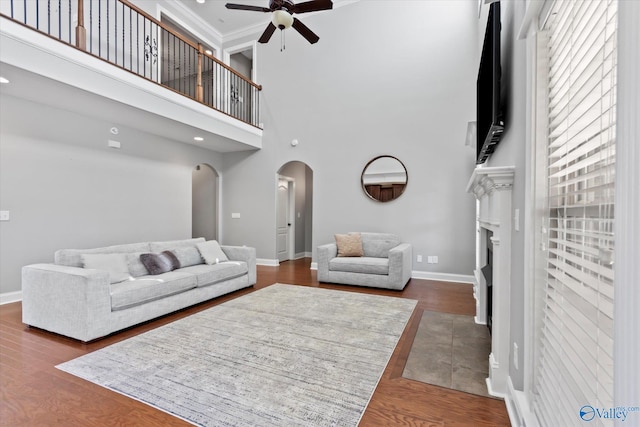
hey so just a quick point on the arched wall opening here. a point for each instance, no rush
(295, 209)
(205, 202)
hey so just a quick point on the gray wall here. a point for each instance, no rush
(66, 189)
(405, 89)
(512, 152)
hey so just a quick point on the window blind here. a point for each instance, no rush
(575, 359)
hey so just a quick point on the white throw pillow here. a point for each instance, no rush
(212, 252)
(115, 264)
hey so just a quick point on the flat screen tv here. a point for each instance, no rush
(490, 125)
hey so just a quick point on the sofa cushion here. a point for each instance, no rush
(172, 244)
(188, 256)
(160, 263)
(349, 244)
(115, 264)
(367, 265)
(212, 252)
(136, 267)
(145, 289)
(378, 244)
(72, 257)
(210, 274)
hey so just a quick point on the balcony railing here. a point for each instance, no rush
(124, 35)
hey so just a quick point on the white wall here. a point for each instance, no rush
(405, 88)
(65, 188)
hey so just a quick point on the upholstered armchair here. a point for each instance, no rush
(378, 260)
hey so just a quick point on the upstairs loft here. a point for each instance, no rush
(110, 59)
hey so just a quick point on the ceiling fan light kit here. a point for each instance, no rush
(282, 19)
(283, 11)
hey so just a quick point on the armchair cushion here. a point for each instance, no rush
(368, 265)
(349, 245)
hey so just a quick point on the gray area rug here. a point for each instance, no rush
(452, 351)
(281, 356)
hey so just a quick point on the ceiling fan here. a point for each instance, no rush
(282, 16)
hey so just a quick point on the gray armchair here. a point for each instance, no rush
(386, 263)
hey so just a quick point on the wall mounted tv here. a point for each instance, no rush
(489, 118)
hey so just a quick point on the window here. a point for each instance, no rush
(574, 358)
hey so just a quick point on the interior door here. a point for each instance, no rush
(283, 223)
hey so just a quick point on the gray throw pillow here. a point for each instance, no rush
(115, 264)
(188, 256)
(160, 263)
(212, 252)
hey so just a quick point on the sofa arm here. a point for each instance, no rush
(325, 254)
(70, 301)
(400, 263)
(246, 254)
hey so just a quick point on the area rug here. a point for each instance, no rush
(452, 351)
(283, 355)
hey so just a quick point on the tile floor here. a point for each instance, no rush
(450, 350)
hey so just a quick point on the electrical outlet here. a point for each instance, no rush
(4, 216)
(235, 215)
(419, 258)
(515, 355)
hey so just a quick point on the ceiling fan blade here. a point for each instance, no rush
(305, 31)
(268, 32)
(312, 6)
(247, 7)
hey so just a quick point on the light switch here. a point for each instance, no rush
(235, 215)
(516, 220)
(4, 215)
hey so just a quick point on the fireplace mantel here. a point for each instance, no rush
(492, 187)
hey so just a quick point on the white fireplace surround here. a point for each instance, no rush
(492, 187)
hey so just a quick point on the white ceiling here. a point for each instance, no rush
(232, 23)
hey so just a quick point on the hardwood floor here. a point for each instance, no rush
(34, 392)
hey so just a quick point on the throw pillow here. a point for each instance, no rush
(160, 263)
(136, 267)
(212, 252)
(188, 256)
(115, 264)
(349, 245)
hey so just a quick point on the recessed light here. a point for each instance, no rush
(198, 138)
(200, 1)
(3, 80)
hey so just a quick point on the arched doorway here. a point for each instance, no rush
(294, 205)
(204, 209)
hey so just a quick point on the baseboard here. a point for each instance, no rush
(9, 297)
(442, 277)
(518, 407)
(267, 262)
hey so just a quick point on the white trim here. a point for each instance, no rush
(314, 266)
(443, 277)
(9, 297)
(227, 52)
(300, 255)
(626, 351)
(518, 407)
(267, 262)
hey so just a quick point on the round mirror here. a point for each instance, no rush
(384, 178)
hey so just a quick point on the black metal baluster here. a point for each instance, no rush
(137, 42)
(108, 32)
(48, 15)
(37, 13)
(59, 19)
(70, 23)
(130, 40)
(99, 28)
(115, 31)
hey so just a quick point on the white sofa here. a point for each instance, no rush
(82, 303)
(385, 263)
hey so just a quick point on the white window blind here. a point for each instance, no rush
(575, 358)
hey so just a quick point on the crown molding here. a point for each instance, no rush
(485, 181)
